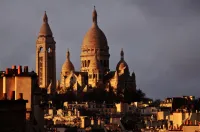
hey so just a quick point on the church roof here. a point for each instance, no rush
(67, 66)
(122, 63)
(94, 38)
(45, 29)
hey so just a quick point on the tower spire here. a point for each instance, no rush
(122, 54)
(45, 29)
(94, 16)
(46, 73)
(68, 54)
(45, 18)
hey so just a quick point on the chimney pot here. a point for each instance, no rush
(20, 96)
(19, 70)
(12, 95)
(26, 69)
(7, 70)
(13, 66)
(5, 96)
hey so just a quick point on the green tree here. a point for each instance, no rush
(132, 96)
(156, 103)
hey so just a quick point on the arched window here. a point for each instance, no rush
(88, 63)
(85, 63)
(49, 50)
(40, 49)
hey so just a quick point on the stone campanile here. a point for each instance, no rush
(46, 56)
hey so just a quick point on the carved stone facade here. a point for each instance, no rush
(95, 70)
(94, 43)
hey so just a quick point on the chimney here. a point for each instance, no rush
(20, 96)
(12, 97)
(19, 70)
(13, 67)
(7, 70)
(26, 69)
(5, 96)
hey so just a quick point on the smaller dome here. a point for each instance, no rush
(122, 63)
(45, 29)
(67, 66)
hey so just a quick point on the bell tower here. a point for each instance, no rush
(46, 56)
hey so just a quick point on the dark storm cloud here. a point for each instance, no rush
(160, 37)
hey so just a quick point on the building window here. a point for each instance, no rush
(90, 75)
(85, 63)
(40, 49)
(49, 50)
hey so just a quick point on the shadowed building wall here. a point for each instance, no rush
(13, 115)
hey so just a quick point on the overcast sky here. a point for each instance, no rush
(160, 38)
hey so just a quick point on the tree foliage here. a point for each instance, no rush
(101, 95)
(156, 103)
(133, 96)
